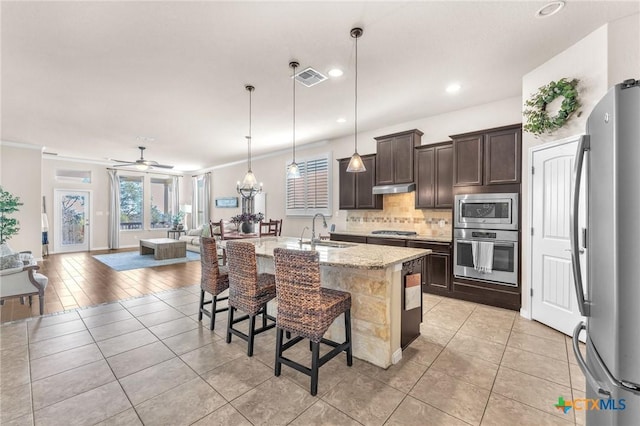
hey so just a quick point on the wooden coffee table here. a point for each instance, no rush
(163, 248)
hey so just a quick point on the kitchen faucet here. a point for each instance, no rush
(302, 234)
(313, 227)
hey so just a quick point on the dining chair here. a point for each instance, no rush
(269, 228)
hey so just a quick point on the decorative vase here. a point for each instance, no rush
(247, 227)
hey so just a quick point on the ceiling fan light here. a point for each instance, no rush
(355, 164)
(293, 171)
(142, 167)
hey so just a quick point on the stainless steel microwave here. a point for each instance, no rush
(486, 211)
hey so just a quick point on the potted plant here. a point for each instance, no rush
(247, 220)
(8, 225)
(176, 220)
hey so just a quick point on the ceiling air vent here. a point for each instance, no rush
(310, 77)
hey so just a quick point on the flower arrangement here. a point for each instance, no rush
(247, 218)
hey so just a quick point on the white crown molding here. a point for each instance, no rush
(21, 145)
(263, 156)
(76, 160)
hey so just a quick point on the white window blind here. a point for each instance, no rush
(311, 193)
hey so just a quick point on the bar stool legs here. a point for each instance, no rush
(347, 334)
(316, 360)
(252, 326)
(211, 314)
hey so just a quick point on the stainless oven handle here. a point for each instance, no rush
(583, 305)
(497, 243)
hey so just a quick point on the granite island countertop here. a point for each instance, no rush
(418, 237)
(350, 255)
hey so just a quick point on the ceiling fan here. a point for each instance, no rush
(141, 163)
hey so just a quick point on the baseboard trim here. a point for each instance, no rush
(397, 356)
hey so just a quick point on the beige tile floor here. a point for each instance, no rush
(148, 361)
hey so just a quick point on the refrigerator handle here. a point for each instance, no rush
(583, 305)
(593, 383)
(626, 386)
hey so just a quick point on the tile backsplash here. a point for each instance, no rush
(400, 214)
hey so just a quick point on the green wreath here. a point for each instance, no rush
(538, 119)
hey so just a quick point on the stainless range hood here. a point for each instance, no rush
(399, 188)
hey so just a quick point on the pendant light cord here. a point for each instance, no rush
(294, 113)
(356, 103)
(250, 89)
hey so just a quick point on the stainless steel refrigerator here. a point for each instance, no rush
(610, 301)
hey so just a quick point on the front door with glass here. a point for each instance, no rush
(72, 221)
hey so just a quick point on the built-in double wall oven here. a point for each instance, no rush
(485, 238)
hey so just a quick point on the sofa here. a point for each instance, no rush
(192, 237)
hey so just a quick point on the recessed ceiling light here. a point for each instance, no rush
(341, 120)
(453, 88)
(335, 72)
(549, 9)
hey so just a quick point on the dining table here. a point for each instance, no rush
(236, 235)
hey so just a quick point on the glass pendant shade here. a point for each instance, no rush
(293, 171)
(355, 164)
(249, 180)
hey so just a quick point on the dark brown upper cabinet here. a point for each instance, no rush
(394, 163)
(356, 189)
(434, 176)
(487, 157)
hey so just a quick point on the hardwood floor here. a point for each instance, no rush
(78, 280)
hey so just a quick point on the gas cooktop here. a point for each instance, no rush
(391, 232)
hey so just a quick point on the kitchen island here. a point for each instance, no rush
(374, 277)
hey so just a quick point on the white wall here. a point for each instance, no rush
(624, 53)
(599, 61)
(20, 175)
(271, 170)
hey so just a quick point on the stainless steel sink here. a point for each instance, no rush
(334, 244)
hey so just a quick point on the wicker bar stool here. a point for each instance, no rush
(248, 291)
(214, 279)
(307, 310)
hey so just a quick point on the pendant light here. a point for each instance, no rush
(293, 171)
(355, 164)
(250, 186)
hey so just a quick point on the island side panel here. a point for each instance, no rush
(375, 311)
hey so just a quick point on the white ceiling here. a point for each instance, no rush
(88, 79)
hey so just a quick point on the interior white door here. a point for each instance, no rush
(554, 301)
(71, 221)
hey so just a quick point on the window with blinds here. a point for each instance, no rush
(311, 192)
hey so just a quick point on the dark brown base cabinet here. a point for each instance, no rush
(487, 293)
(356, 189)
(437, 276)
(437, 268)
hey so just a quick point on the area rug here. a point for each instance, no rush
(133, 260)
